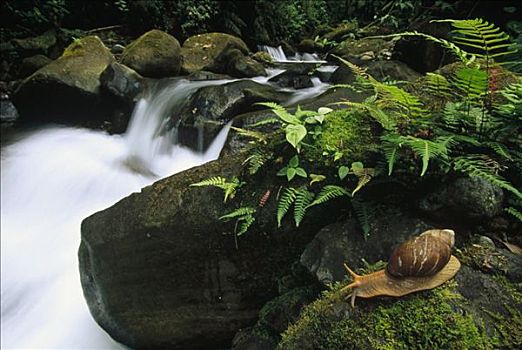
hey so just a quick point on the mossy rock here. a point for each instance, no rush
(448, 317)
(39, 44)
(155, 54)
(348, 133)
(201, 50)
(66, 89)
(351, 48)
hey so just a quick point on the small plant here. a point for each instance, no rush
(229, 187)
(292, 169)
(244, 219)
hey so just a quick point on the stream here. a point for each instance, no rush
(54, 177)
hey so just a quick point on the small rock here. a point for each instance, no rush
(367, 56)
(117, 49)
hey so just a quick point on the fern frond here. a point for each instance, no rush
(437, 85)
(265, 121)
(390, 147)
(481, 166)
(244, 224)
(428, 149)
(364, 176)
(514, 212)
(362, 212)
(257, 159)
(238, 212)
(479, 34)
(216, 181)
(259, 136)
(499, 149)
(356, 70)
(281, 112)
(395, 97)
(472, 81)
(328, 193)
(303, 198)
(285, 202)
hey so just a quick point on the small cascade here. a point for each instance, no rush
(303, 94)
(52, 179)
(278, 55)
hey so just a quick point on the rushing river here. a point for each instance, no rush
(54, 177)
(51, 179)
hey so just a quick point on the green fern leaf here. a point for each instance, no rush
(244, 224)
(257, 159)
(362, 212)
(238, 212)
(259, 136)
(364, 176)
(483, 167)
(265, 121)
(303, 198)
(514, 212)
(327, 193)
(216, 181)
(286, 200)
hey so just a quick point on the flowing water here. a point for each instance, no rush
(51, 179)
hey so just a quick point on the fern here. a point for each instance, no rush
(229, 188)
(362, 212)
(265, 121)
(328, 193)
(216, 181)
(514, 212)
(479, 34)
(437, 85)
(257, 159)
(479, 165)
(426, 149)
(472, 81)
(285, 202)
(244, 224)
(238, 212)
(303, 198)
(259, 136)
(364, 176)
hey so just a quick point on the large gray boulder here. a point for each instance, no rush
(202, 50)
(343, 242)
(464, 199)
(159, 270)
(155, 54)
(67, 89)
(212, 106)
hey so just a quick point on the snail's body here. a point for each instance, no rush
(421, 263)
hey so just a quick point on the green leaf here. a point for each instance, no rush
(357, 166)
(295, 134)
(290, 173)
(319, 118)
(300, 172)
(294, 161)
(324, 110)
(287, 117)
(316, 178)
(282, 171)
(343, 172)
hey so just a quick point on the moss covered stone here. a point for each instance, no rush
(347, 133)
(155, 54)
(442, 318)
(201, 50)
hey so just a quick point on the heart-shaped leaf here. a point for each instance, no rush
(295, 134)
(343, 171)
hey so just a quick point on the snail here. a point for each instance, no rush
(423, 262)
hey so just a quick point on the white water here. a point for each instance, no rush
(303, 94)
(278, 55)
(50, 180)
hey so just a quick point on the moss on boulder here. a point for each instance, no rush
(443, 318)
(155, 54)
(202, 50)
(68, 87)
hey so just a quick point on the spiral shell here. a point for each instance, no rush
(424, 255)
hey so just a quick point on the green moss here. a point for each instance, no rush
(429, 320)
(346, 132)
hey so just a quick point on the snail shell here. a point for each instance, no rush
(424, 255)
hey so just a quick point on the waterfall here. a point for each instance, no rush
(278, 55)
(51, 179)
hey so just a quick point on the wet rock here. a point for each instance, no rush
(122, 82)
(219, 103)
(33, 63)
(201, 50)
(117, 49)
(8, 112)
(380, 70)
(155, 54)
(423, 55)
(464, 199)
(159, 270)
(263, 57)
(205, 75)
(309, 45)
(36, 45)
(67, 89)
(344, 243)
(296, 81)
(234, 62)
